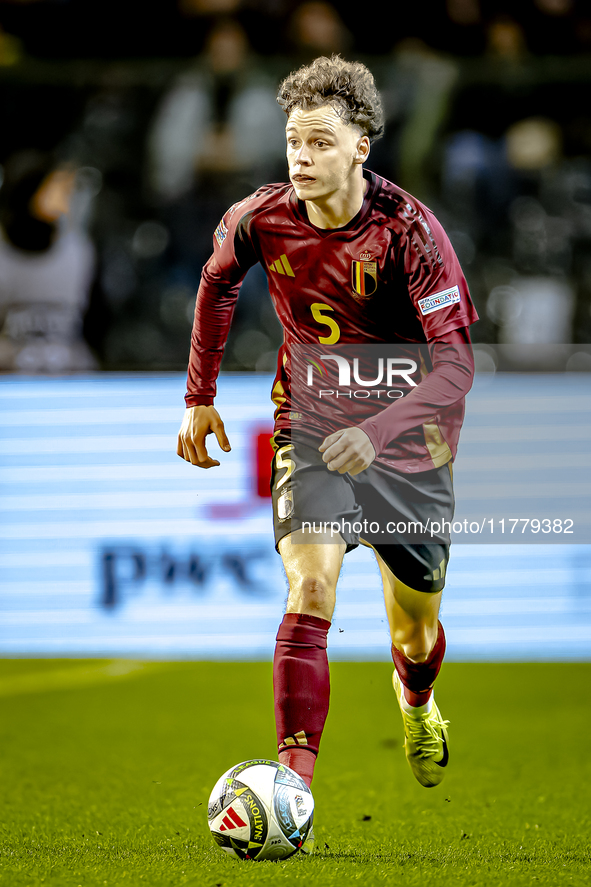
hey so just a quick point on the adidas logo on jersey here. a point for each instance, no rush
(282, 266)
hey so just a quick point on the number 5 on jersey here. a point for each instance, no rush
(319, 313)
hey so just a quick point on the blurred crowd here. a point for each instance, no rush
(128, 130)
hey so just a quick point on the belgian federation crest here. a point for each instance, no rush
(364, 278)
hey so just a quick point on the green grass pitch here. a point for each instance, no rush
(107, 769)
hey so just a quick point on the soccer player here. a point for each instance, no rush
(351, 259)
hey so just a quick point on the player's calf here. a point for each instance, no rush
(418, 664)
(301, 684)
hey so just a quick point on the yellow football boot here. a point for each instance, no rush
(426, 741)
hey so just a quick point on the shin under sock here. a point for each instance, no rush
(301, 685)
(418, 677)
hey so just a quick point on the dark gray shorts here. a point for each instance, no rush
(405, 517)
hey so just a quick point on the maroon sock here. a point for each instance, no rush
(301, 685)
(300, 760)
(418, 677)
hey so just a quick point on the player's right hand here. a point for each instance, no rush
(198, 422)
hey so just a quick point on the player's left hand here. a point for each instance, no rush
(347, 450)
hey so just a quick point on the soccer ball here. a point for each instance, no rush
(261, 810)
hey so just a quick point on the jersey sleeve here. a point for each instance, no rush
(436, 284)
(447, 383)
(221, 278)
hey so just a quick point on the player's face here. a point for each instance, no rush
(324, 154)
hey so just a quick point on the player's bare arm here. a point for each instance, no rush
(348, 450)
(198, 422)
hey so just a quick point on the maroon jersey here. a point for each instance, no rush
(389, 276)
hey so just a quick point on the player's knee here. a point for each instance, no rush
(314, 596)
(314, 592)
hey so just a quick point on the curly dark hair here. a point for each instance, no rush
(348, 86)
